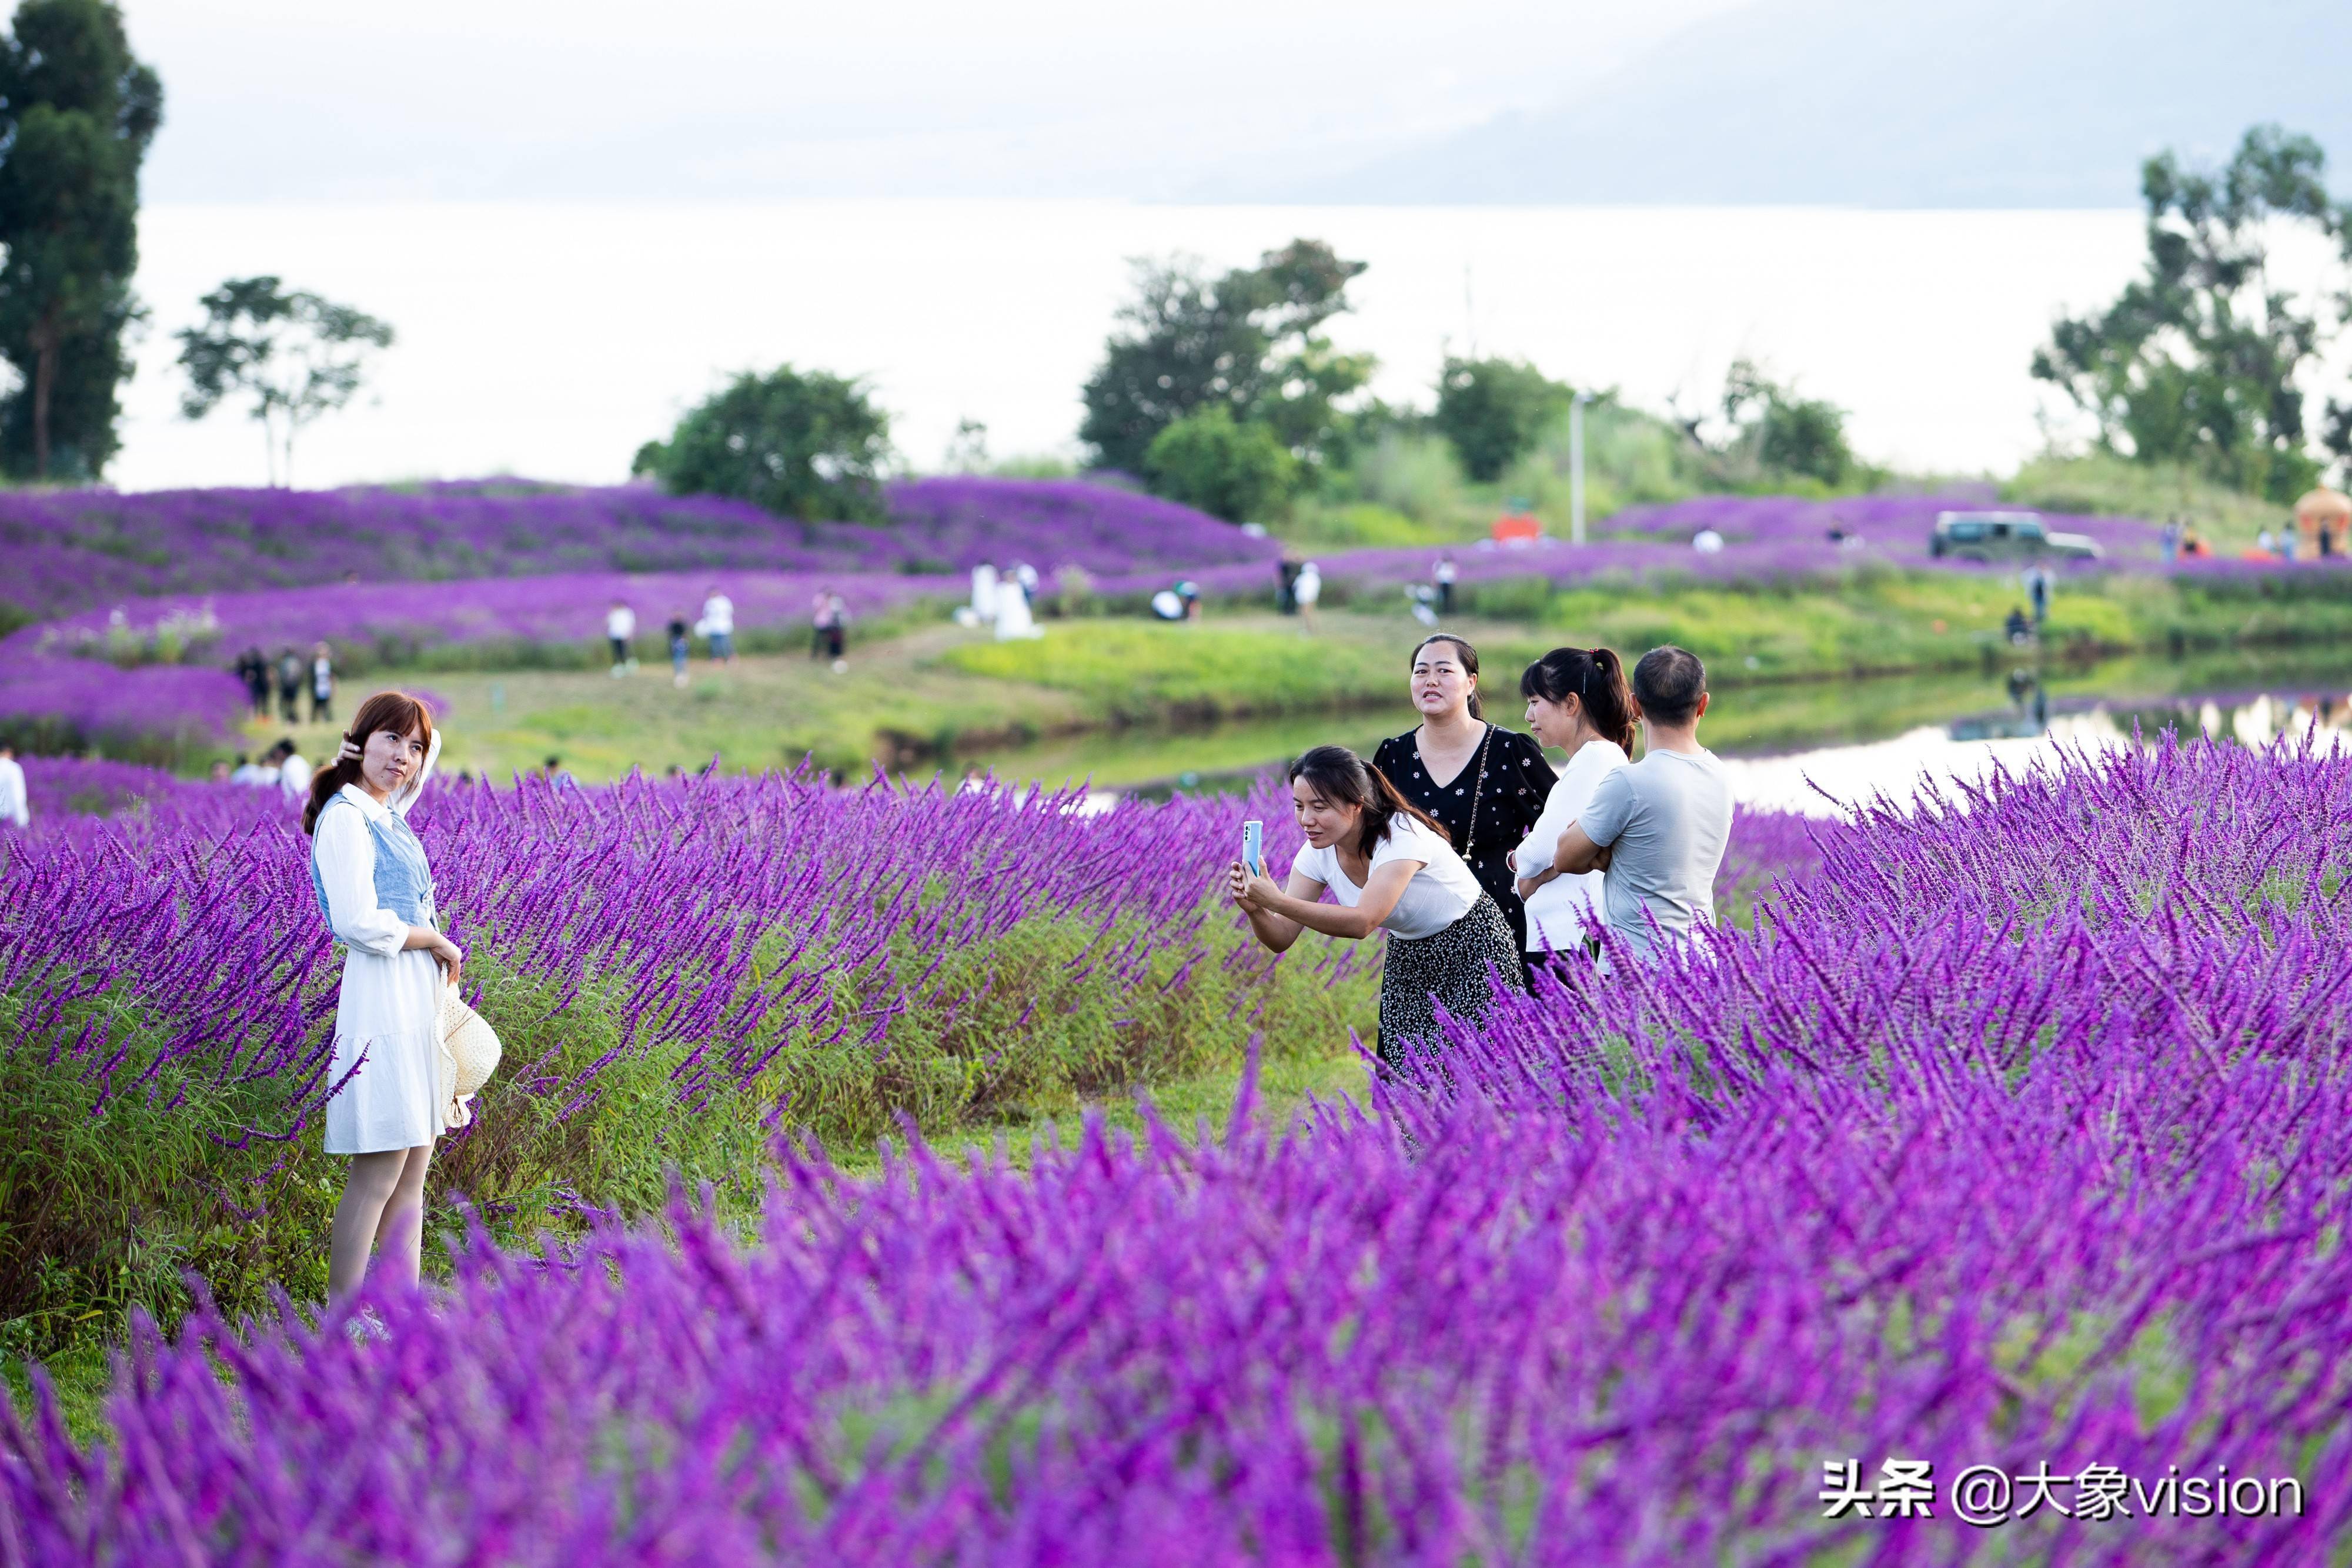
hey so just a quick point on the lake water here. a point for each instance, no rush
(550, 340)
(1809, 747)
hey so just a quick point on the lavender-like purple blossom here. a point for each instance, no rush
(2014, 1134)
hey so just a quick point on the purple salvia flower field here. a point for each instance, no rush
(72, 550)
(2015, 1133)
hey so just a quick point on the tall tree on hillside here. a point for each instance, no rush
(2198, 362)
(1250, 342)
(77, 113)
(297, 356)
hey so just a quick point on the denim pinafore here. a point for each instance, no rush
(404, 882)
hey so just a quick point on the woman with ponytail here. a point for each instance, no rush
(1485, 785)
(1577, 701)
(1392, 869)
(392, 1079)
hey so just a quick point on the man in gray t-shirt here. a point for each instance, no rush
(1659, 827)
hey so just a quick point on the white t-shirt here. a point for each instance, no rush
(718, 616)
(1309, 586)
(1665, 822)
(621, 622)
(294, 776)
(13, 795)
(1567, 908)
(1440, 893)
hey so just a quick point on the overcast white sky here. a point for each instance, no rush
(296, 100)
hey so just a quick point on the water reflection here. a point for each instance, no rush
(1812, 747)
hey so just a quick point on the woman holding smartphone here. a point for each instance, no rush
(1485, 785)
(393, 1077)
(1579, 702)
(1391, 870)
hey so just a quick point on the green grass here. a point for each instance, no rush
(1129, 700)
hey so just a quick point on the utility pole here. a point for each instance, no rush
(1576, 468)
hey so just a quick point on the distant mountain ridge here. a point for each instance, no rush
(1983, 104)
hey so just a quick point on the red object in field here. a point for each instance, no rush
(1517, 528)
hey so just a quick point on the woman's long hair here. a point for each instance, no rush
(395, 711)
(1593, 677)
(1342, 777)
(1469, 657)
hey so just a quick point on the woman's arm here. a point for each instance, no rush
(1274, 931)
(1386, 885)
(346, 857)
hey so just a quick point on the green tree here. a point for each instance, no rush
(297, 356)
(1234, 469)
(1767, 433)
(2198, 361)
(801, 443)
(1495, 410)
(77, 113)
(1250, 342)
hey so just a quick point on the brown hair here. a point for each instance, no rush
(1595, 677)
(395, 711)
(1468, 660)
(1338, 774)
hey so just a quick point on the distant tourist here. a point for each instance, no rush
(2018, 629)
(983, 594)
(1577, 701)
(1659, 827)
(718, 626)
(1286, 578)
(218, 772)
(250, 772)
(1443, 577)
(555, 773)
(1309, 591)
(620, 630)
(2168, 539)
(290, 670)
(15, 800)
(2037, 593)
(293, 771)
(1391, 870)
(827, 631)
(678, 648)
(837, 632)
(1484, 784)
(322, 685)
(1024, 576)
(1706, 541)
(1014, 620)
(253, 669)
(392, 1096)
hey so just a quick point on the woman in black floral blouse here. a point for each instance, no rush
(1484, 784)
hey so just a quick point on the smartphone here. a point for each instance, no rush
(1254, 847)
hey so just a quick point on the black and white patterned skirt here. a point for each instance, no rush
(1457, 969)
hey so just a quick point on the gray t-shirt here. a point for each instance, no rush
(1665, 822)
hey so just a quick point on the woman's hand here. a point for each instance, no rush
(1528, 885)
(1252, 892)
(449, 956)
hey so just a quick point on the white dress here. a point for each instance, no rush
(389, 1005)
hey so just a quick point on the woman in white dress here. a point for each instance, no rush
(392, 1078)
(1577, 701)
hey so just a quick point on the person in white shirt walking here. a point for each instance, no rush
(1577, 701)
(16, 806)
(718, 626)
(620, 629)
(1659, 827)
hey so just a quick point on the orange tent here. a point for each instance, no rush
(2324, 512)
(1517, 526)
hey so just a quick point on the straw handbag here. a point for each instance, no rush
(469, 1054)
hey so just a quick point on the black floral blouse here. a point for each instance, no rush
(1518, 781)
